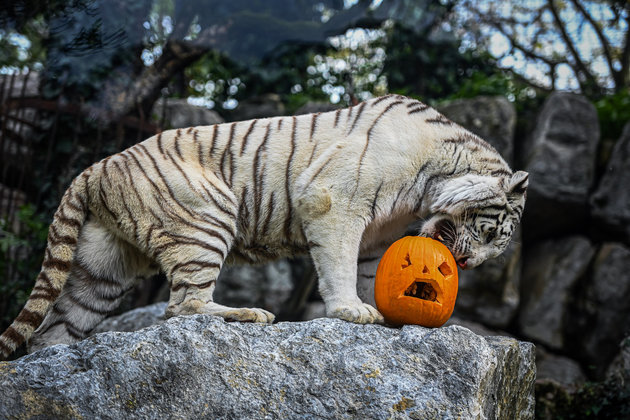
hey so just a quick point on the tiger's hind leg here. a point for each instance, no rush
(104, 269)
(191, 253)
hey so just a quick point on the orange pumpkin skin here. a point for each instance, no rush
(421, 265)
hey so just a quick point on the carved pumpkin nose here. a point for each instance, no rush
(416, 282)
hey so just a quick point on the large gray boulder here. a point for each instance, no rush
(202, 367)
(493, 118)
(490, 293)
(551, 270)
(560, 158)
(610, 204)
(602, 313)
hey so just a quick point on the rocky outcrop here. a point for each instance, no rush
(610, 204)
(560, 158)
(493, 118)
(550, 273)
(203, 367)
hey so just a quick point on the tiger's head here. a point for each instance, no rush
(475, 216)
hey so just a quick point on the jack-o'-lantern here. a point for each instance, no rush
(416, 282)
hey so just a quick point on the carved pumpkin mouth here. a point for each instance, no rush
(423, 289)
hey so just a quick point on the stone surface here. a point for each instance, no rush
(610, 203)
(601, 318)
(491, 292)
(178, 113)
(493, 118)
(560, 158)
(202, 367)
(551, 269)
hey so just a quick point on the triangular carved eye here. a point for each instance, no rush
(445, 269)
(425, 270)
(407, 262)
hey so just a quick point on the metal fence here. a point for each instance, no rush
(31, 131)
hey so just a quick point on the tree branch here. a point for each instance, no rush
(121, 97)
(602, 40)
(496, 23)
(530, 83)
(625, 56)
(581, 67)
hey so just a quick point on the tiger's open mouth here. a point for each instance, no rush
(444, 231)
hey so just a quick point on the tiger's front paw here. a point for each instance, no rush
(360, 313)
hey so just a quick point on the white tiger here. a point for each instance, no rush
(340, 185)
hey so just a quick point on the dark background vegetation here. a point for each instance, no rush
(101, 65)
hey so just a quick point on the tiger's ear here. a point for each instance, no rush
(468, 191)
(519, 183)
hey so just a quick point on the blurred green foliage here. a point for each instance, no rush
(431, 66)
(614, 114)
(26, 247)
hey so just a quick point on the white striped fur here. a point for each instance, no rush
(341, 185)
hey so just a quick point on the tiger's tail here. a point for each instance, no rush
(63, 237)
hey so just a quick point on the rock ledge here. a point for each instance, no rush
(202, 367)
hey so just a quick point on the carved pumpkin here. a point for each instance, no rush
(416, 282)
